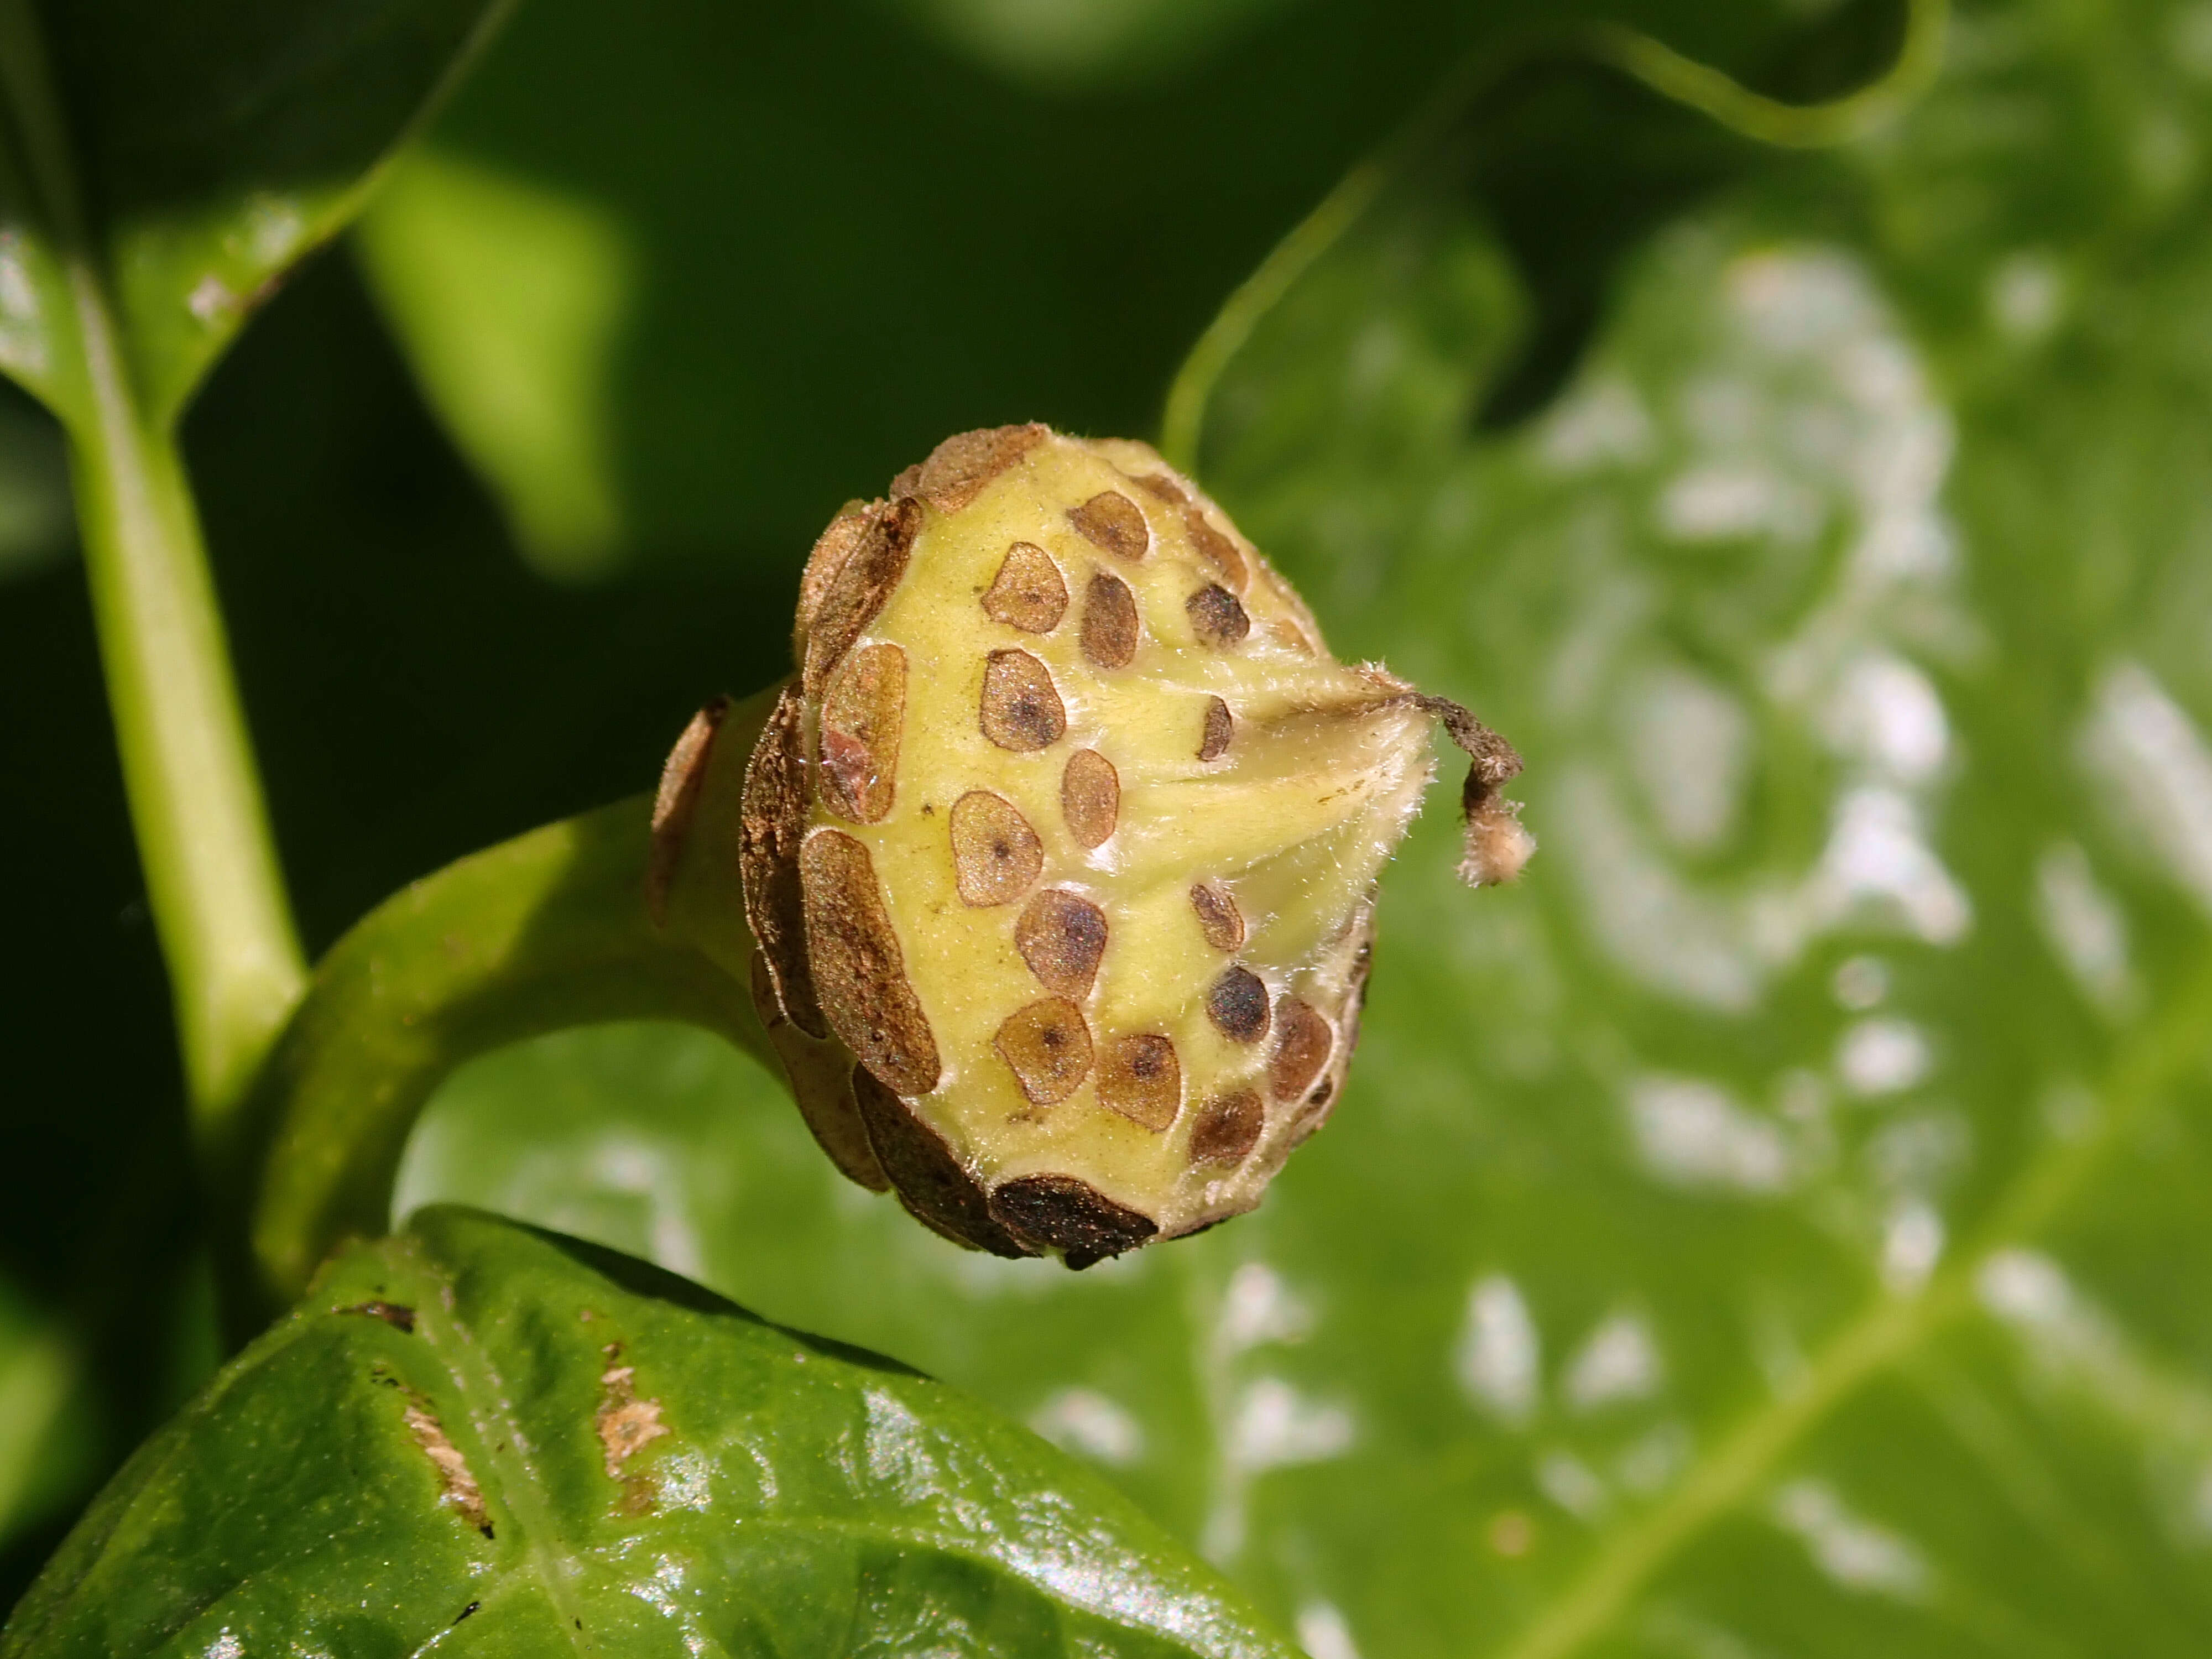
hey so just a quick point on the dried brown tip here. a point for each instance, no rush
(1089, 797)
(1020, 708)
(995, 854)
(1062, 937)
(1111, 520)
(958, 469)
(1496, 846)
(676, 801)
(862, 720)
(859, 972)
(936, 1190)
(1140, 1078)
(1110, 622)
(1047, 1048)
(1070, 1216)
(1028, 592)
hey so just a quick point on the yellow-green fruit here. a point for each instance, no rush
(1059, 849)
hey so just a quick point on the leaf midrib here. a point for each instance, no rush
(1720, 1481)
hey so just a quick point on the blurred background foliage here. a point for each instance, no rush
(1777, 1226)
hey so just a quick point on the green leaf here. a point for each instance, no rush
(1778, 1225)
(185, 159)
(682, 279)
(496, 1441)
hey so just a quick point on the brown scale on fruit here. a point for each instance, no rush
(1089, 797)
(1237, 1003)
(996, 856)
(1219, 726)
(859, 972)
(1303, 1041)
(1110, 622)
(1062, 937)
(1219, 918)
(1216, 617)
(1028, 592)
(1111, 520)
(1140, 1078)
(861, 724)
(1047, 1048)
(1228, 1127)
(1060, 931)
(1021, 707)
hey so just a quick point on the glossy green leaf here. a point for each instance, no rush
(184, 158)
(681, 279)
(491, 1440)
(1779, 1225)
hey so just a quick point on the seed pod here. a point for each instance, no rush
(1061, 848)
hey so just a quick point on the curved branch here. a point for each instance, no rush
(551, 930)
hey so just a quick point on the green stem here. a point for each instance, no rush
(212, 881)
(548, 931)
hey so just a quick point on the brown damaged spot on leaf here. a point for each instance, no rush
(399, 1318)
(772, 823)
(1140, 1078)
(1222, 554)
(1216, 616)
(626, 1425)
(1028, 592)
(457, 1486)
(1219, 918)
(676, 801)
(1303, 1042)
(831, 549)
(860, 590)
(959, 468)
(1228, 1127)
(1089, 797)
(1111, 520)
(863, 720)
(995, 854)
(1047, 1047)
(936, 1190)
(860, 973)
(1237, 1005)
(1062, 937)
(1021, 708)
(1110, 621)
(1070, 1216)
(819, 1072)
(1220, 725)
(1161, 488)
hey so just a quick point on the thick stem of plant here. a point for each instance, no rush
(212, 881)
(551, 930)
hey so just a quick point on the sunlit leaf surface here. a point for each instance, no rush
(1779, 1224)
(210, 148)
(491, 1441)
